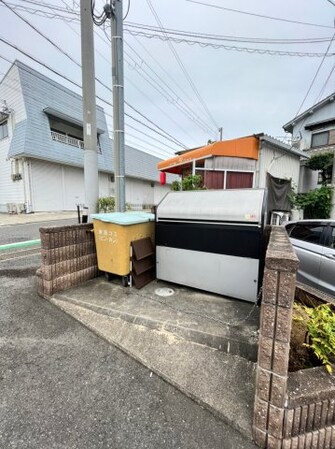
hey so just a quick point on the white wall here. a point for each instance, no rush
(10, 191)
(279, 164)
(61, 187)
(10, 90)
(106, 186)
(139, 192)
(324, 113)
(160, 191)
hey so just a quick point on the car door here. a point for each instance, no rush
(307, 240)
(327, 268)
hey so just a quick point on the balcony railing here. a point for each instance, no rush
(68, 140)
(63, 138)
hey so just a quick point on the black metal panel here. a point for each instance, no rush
(233, 240)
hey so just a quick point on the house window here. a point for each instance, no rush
(3, 130)
(239, 180)
(326, 176)
(320, 139)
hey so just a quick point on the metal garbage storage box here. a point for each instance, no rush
(114, 233)
(212, 240)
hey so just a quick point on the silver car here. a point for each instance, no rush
(314, 244)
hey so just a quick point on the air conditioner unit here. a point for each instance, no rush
(11, 208)
(16, 176)
(279, 217)
(21, 208)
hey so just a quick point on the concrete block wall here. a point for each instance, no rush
(68, 258)
(286, 414)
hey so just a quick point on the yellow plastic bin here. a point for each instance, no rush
(114, 233)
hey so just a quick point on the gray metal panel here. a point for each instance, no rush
(230, 163)
(17, 143)
(226, 275)
(240, 205)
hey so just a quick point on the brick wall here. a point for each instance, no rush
(292, 410)
(68, 258)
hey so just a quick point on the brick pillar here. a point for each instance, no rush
(68, 258)
(281, 265)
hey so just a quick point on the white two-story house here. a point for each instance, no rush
(313, 131)
(41, 149)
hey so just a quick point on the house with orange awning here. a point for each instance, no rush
(245, 162)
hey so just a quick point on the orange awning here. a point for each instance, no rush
(246, 147)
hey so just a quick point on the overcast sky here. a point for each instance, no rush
(242, 92)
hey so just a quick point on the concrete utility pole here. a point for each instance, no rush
(118, 105)
(91, 176)
(220, 131)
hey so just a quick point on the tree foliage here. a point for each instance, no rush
(316, 203)
(322, 162)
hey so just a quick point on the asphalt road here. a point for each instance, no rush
(63, 387)
(28, 231)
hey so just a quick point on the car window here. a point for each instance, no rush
(332, 238)
(308, 233)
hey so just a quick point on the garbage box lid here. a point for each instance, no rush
(124, 218)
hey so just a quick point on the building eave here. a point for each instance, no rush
(58, 114)
(288, 127)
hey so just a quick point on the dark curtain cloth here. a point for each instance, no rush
(278, 192)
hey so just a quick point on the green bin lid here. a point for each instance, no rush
(124, 218)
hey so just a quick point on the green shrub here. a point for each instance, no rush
(106, 204)
(190, 182)
(316, 203)
(321, 333)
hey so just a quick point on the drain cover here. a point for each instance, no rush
(164, 291)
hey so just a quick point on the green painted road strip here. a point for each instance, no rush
(18, 245)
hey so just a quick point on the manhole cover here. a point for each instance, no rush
(164, 291)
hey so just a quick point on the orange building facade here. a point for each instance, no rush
(228, 164)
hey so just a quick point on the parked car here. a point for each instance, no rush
(314, 244)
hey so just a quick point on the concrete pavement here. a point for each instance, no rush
(63, 387)
(203, 344)
(14, 219)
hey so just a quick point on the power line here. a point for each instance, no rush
(315, 76)
(16, 89)
(168, 74)
(248, 13)
(126, 15)
(158, 107)
(79, 65)
(137, 88)
(169, 31)
(218, 37)
(183, 68)
(262, 51)
(80, 87)
(325, 84)
(174, 101)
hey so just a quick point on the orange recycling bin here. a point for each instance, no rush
(114, 233)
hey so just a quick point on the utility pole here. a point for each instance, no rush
(220, 131)
(91, 176)
(118, 104)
